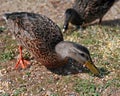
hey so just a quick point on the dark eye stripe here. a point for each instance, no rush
(83, 55)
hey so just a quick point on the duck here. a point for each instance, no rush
(44, 40)
(84, 12)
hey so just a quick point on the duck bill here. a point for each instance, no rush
(66, 22)
(65, 27)
(92, 67)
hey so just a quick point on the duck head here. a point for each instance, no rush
(71, 16)
(77, 52)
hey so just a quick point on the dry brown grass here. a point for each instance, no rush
(103, 42)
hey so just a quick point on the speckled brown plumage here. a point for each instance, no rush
(38, 34)
(91, 10)
(43, 38)
(86, 11)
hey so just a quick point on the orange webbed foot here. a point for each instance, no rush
(24, 63)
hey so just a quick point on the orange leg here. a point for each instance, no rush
(21, 61)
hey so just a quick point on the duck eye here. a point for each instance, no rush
(83, 55)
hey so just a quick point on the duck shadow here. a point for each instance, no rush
(73, 67)
(68, 69)
(111, 23)
(104, 71)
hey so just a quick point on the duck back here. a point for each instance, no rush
(91, 10)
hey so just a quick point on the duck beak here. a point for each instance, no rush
(65, 27)
(63, 30)
(66, 23)
(92, 68)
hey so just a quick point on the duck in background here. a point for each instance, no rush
(86, 11)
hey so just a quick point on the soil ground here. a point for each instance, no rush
(102, 40)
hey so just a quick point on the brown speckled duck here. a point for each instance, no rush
(86, 11)
(43, 38)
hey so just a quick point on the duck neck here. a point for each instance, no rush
(73, 17)
(76, 18)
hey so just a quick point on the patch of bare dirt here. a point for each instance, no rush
(37, 80)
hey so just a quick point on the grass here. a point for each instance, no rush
(54, 94)
(5, 94)
(2, 28)
(90, 88)
(86, 88)
(7, 48)
(5, 56)
(19, 91)
(103, 43)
